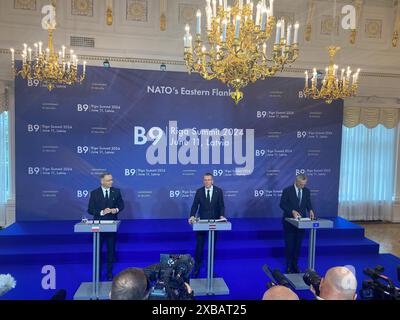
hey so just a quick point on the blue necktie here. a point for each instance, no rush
(299, 196)
(106, 194)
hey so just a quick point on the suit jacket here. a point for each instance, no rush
(207, 210)
(97, 202)
(290, 202)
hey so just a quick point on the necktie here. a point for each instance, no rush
(208, 195)
(106, 194)
(299, 196)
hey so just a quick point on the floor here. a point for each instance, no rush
(386, 234)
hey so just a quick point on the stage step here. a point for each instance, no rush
(129, 251)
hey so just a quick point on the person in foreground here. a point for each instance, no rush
(106, 203)
(339, 283)
(295, 203)
(280, 293)
(130, 284)
(133, 284)
(209, 202)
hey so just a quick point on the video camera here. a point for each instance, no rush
(169, 277)
(379, 286)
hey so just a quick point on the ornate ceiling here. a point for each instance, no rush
(141, 33)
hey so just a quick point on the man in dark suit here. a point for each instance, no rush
(104, 204)
(295, 203)
(209, 203)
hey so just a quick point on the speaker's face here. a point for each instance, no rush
(208, 181)
(301, 183)
(107, 181)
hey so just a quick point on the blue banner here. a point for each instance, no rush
(159, 132)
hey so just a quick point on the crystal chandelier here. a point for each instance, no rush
(46, 66)
(235, 50)
(332, 86)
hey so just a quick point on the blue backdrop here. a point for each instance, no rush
(158, 132)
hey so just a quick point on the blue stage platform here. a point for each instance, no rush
(26, 247)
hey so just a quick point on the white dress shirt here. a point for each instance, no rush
(297, 193)
(211, 191)
(104, 195)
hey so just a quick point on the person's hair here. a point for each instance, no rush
(208, 174)
(103, 175)
(301, 177)
(129, 284)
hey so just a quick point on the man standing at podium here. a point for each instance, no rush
(209, 202)
(295, 203)
(104, 204)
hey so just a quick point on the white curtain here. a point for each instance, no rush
(367, 173)
(4, 163)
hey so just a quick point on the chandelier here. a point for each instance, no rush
(235, 50)
(332, 87)
(46, 66)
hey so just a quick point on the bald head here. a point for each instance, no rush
(339, 283)
(280, 293)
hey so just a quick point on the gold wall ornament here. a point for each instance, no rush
(109, 12)
(46, 66)
(163, 22)
(353, 35)
(358, 4)
(163, 15)
(235, 51)
(109, 16)
(332, 87)
(310, 16)
(396, 29)
(395, 39)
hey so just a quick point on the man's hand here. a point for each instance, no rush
(114, 211)
(188, 288)
(312, 215)
(191, 220)
(107, 211)
(222, 218)
(296, 215)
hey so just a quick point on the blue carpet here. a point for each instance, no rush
(27, 246)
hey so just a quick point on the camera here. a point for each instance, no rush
(169, 277)
(312, 279)
(379, 286)
(277, 278)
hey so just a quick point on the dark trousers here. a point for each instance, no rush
(200, 241)
(293, 239)
(109, 238)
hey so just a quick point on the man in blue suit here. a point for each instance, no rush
(106, 203)
(295, 203)
(209, 202)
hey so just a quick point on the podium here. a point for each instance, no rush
(296, 279)
(210, 285)
(95, 290)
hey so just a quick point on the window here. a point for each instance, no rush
(367, 164)
(4, 158)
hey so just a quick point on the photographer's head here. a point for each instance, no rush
(130, 284)
(339, 283)
(280, 293)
